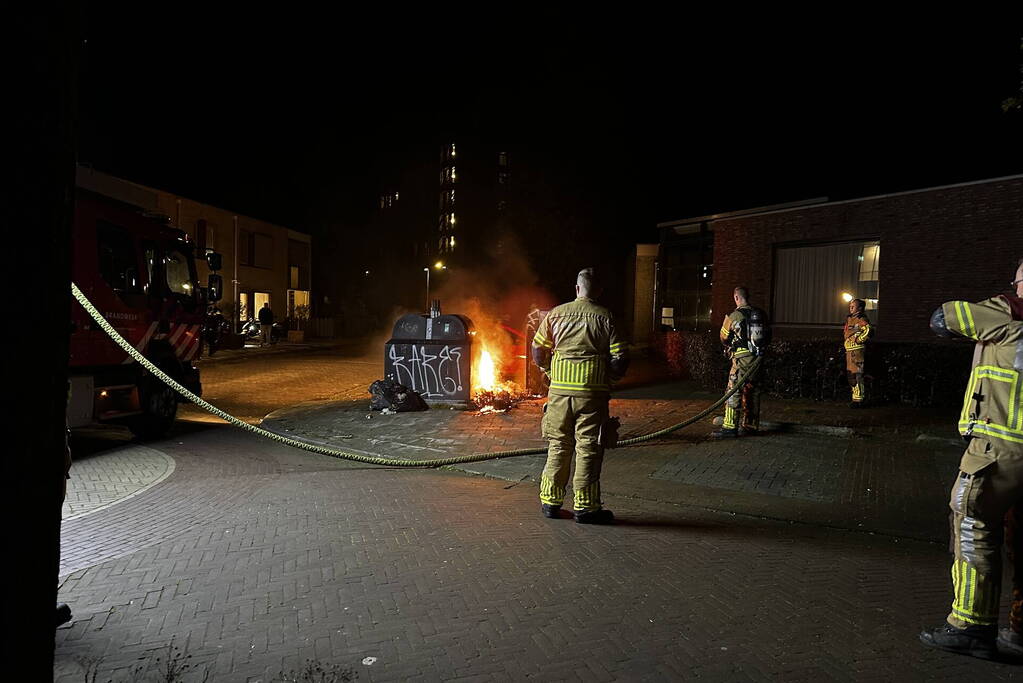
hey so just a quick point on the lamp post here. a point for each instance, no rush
(439, 265)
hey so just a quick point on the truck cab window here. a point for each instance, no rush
(180, 278)
(118, 264)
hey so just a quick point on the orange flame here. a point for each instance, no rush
(485, 375)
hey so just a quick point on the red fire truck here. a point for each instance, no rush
(141, 275)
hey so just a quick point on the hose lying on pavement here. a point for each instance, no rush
(358, 457)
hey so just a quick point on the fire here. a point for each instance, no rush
(486, 372)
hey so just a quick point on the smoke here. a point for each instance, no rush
(497, 294)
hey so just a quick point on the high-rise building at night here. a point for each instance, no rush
(473, 195)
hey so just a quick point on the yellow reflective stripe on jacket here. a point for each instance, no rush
(1012, 430)
(582, 374)
(540, 340)
(617, 348)
(741, 352)
(965, 317)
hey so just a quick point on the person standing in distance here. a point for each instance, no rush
(856, 332)
(745, 334)
(578, 347)
(266, 323)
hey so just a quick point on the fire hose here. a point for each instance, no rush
(358, 457)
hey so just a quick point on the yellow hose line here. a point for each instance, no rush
(346, 455)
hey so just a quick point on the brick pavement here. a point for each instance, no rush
(442, 576)
(99, 482)
(887, 482)
(255, 557)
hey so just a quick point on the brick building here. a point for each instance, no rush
(798, 260)
(270, 263)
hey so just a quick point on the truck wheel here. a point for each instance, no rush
(159, 405)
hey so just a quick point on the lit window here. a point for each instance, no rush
(451, 196)
(452, 241)
(452, 173)
(451, 219)
(395, 196)
(809, 282)
(502, 159)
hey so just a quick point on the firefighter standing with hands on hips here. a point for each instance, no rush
(857, 331)
(745, 334)
(578, 347)
(990, 479)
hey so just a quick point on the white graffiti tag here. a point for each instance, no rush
(432, 375)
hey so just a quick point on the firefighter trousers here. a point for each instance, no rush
(571, 426)
(854, 361)
(746, 401)
(989, 483)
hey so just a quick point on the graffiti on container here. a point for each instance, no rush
(434, 375)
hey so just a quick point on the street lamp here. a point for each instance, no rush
(439, 265)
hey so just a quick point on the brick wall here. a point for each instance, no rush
(959, 242)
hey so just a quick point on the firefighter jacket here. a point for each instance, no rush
(857, 331)
(993, 405)
(734, 332)
(578, 346)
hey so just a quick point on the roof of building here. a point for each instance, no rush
(817, 202)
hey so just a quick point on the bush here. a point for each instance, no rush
(914, 373)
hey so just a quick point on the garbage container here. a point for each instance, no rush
(432, 355)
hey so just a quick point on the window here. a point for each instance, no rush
(118, 264)
(293, 277)
(685, 277)
(180, 279)
(809, 282)
(502, 159)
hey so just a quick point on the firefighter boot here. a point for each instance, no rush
(1010, 643)
(551, 511)
(975, 641)
(600, 516)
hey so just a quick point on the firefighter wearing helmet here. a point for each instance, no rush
(745, 334)
(578, 347)
(990, 479)
(857, 331)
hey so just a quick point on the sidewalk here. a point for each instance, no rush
(883, 478)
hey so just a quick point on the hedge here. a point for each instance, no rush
(913, 373)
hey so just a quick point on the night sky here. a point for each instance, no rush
(301, 119)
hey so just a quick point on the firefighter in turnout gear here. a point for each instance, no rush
(857, 331)
(578, 347)
(745, 334)
(990, 479)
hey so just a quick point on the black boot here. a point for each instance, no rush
(725, 434)
(595, 517)
(1010, 643)
(975, 641)
(551, 511)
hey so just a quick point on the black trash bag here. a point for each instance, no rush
(388, 394)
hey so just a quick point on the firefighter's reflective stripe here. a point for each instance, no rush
(974, 600)
(540, 340)
(617, 348)
(981, 424)
(741, 351)
(550, 492)
(587, 498)
(964, 316)
(578, 374)
(731, 418)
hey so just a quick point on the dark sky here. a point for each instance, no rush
(300, 118)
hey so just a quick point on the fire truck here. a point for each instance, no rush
(140, 273)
